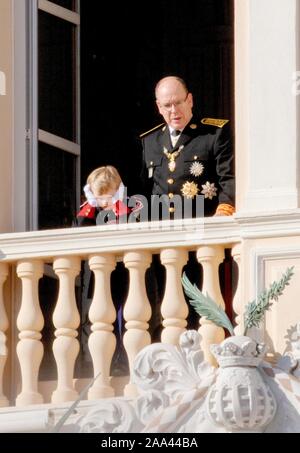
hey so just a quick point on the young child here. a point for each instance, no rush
(105, 191)
(105, 204)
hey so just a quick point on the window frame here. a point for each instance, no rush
(34, 135)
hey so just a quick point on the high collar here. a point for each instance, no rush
(186, 135)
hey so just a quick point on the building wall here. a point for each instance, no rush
(241, 43)
(267, 153)
(265, 261)
(267, 109)
(6, 115)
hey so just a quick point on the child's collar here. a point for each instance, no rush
(118, 195)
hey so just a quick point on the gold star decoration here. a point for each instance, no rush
(190, 189)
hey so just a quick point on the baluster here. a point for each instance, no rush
(137, 311)
(66, 320)
(30, 322)
(210, 258)
(174, 308)
(102, 314)
(237, 302)
(3, 328)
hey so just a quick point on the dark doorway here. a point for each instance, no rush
(125, 49)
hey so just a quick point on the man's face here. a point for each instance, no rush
(174, 103)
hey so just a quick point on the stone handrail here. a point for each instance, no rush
(102, 246)
(142, 236)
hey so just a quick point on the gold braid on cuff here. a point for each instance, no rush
(225, 209)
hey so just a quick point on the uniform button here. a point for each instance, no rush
(171, 195)
(171, 210)
(170, 181)
(151, 163)
(195, 157)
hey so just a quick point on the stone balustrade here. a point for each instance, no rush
(102, 314)
(30, 323)
(4, 324)
(24, 257)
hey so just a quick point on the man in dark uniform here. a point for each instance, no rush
(187, 157)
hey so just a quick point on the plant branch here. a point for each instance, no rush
(255, 311)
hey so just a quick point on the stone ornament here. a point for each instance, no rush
(290, 362)
(111, 416)
(172, 369)
(240, 400)
(239, 351)
(181, 393)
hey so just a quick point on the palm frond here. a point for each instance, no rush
(205, 306)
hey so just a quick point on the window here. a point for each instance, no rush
(55, 125)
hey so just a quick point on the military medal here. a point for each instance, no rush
(172, 165)
(172, 157)
(196, 169)
(190, 190)
(209, 190)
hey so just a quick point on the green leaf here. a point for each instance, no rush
(255, 311)
(205, 306)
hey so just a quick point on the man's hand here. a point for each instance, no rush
(224, 210)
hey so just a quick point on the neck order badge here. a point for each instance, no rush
(172, 157)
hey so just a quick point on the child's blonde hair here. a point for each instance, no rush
(104, 179)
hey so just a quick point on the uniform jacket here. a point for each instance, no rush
(89, 215)
(207, 145)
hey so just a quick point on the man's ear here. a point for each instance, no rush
(158, 107)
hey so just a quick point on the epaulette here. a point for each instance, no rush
(214, 122)
(120, 208)
(152, 130)
(87, 211)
